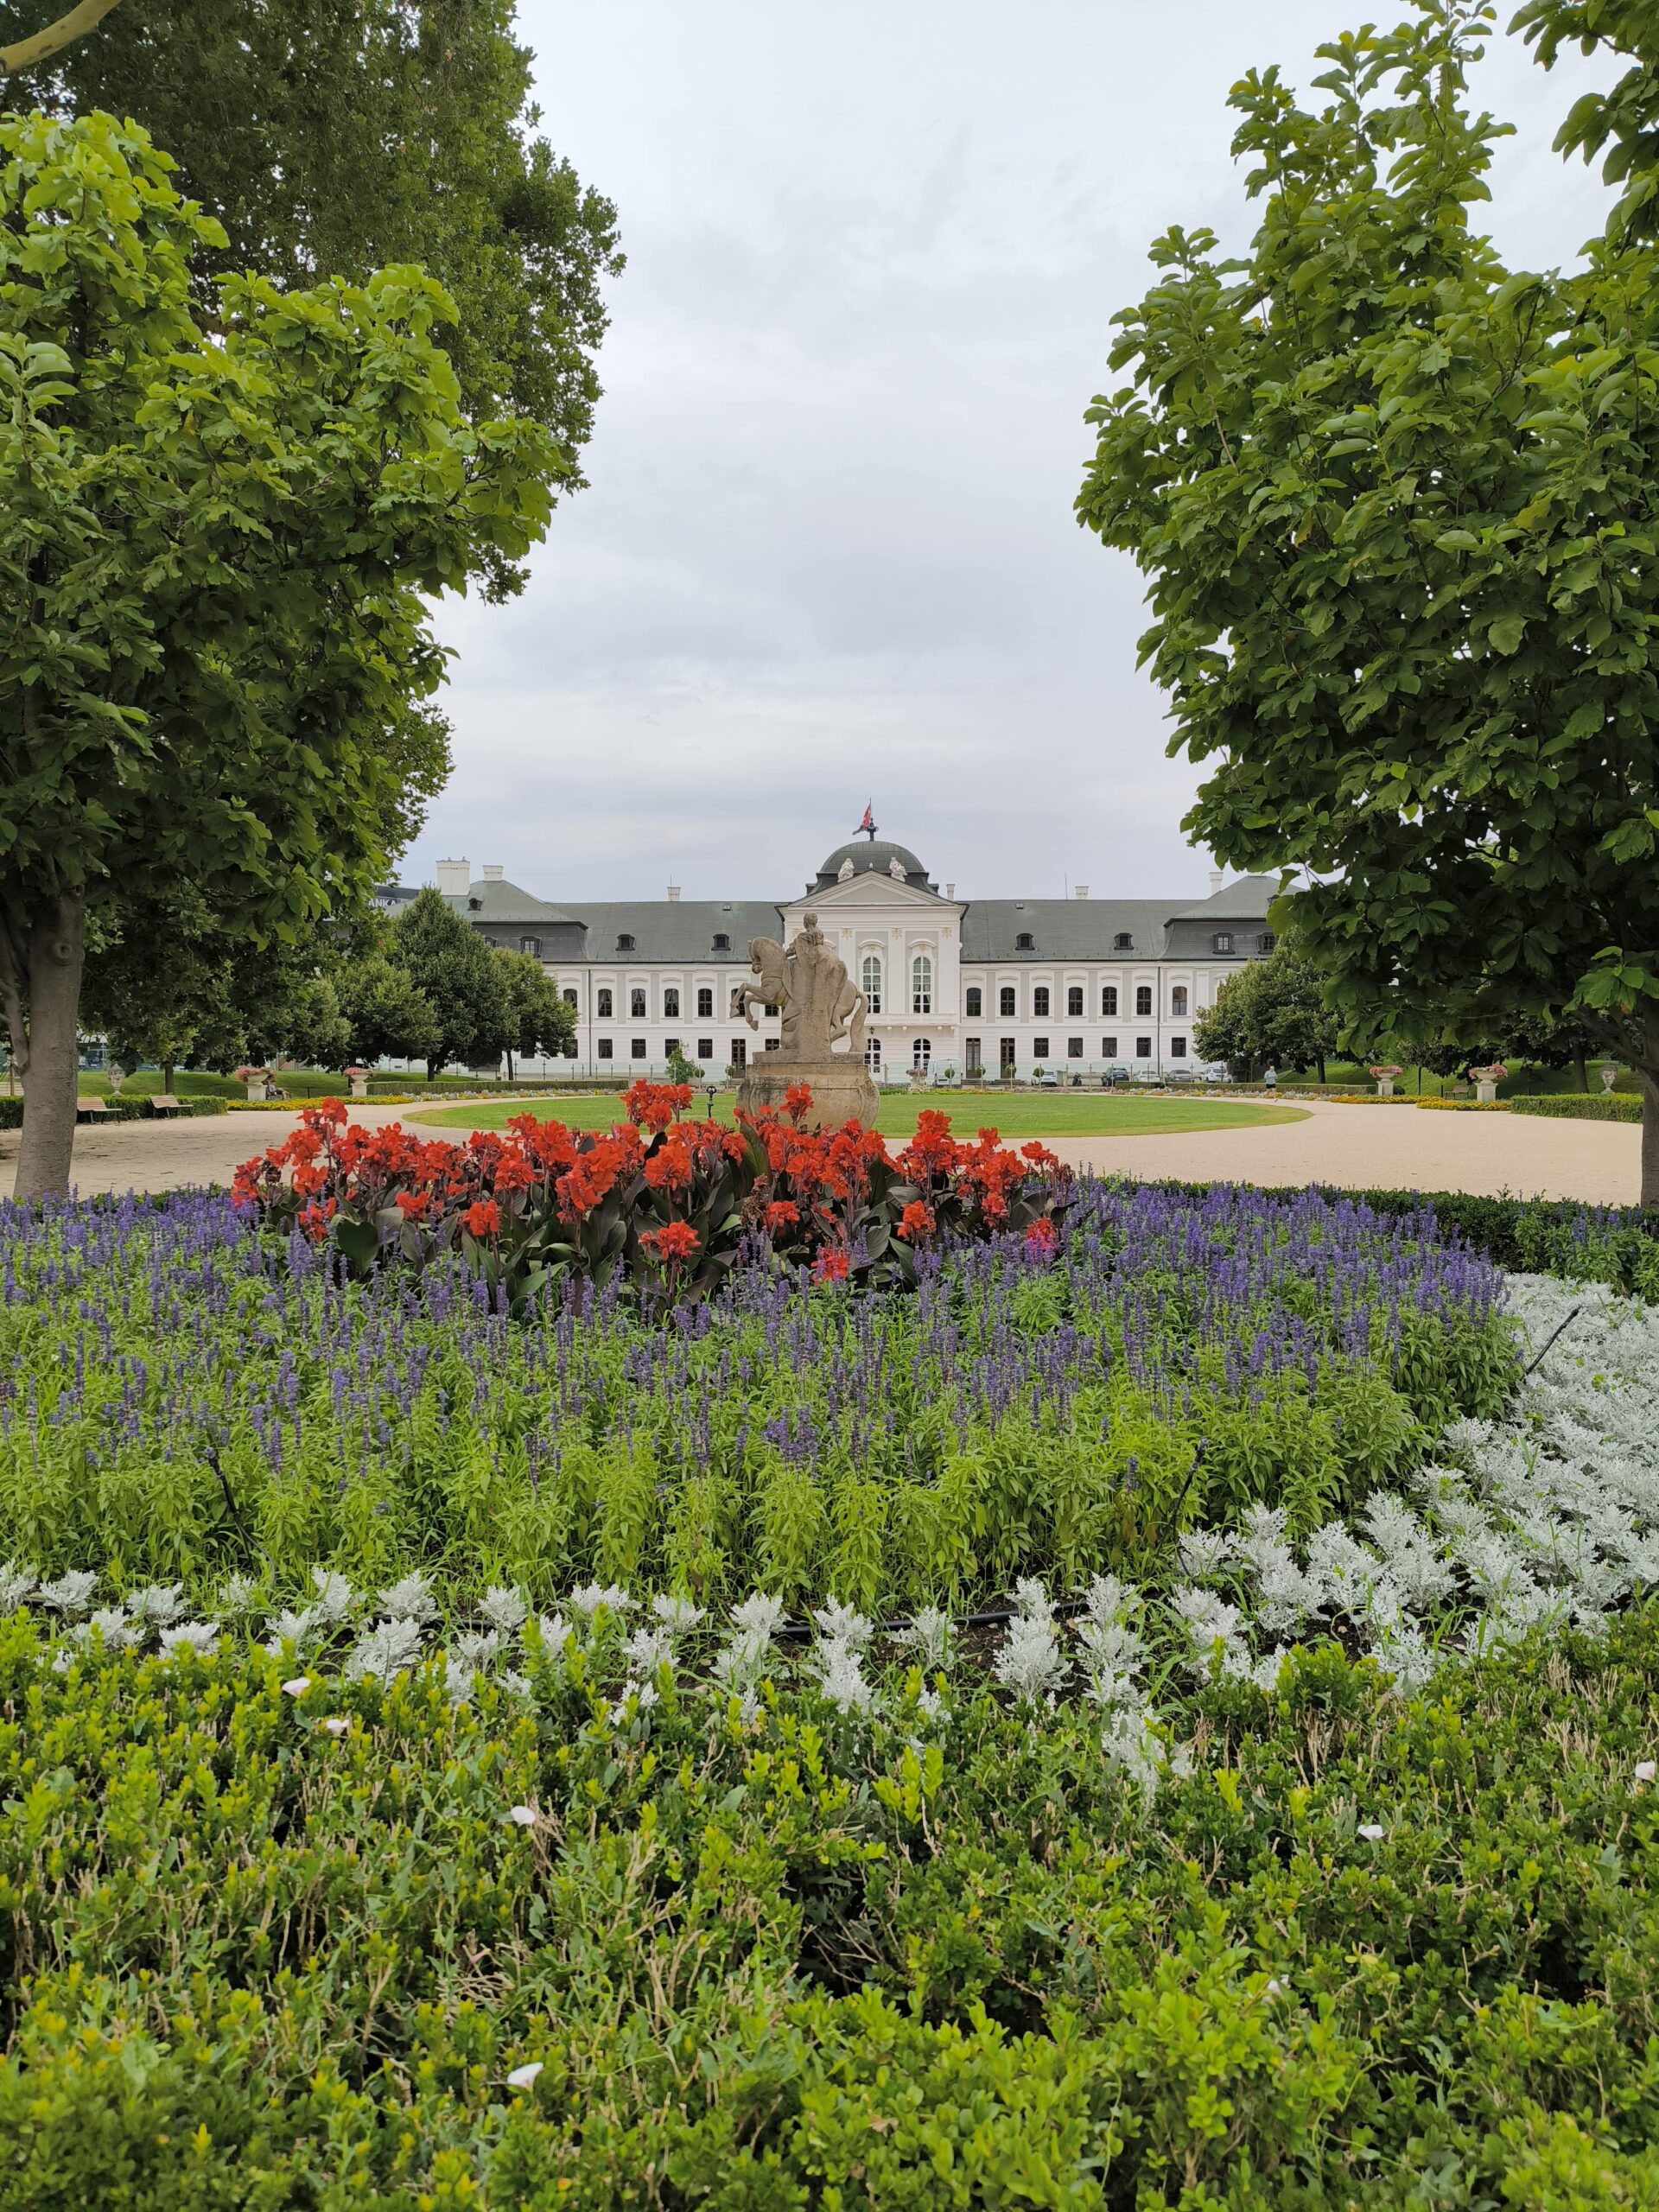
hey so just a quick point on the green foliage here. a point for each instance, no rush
(459, 976)
(797, 1960)
(1271, 1014)
(220, 547)
(540, 1024)
(387, 1015)
(1399, 507)
(1592, 1106)
(334, 139)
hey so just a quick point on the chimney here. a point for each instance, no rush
(1082, 891)
(949, 890)
(454, 877)
(673, 894)
(492, 875)
(1215, 882)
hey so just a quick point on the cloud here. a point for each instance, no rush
(829, 551)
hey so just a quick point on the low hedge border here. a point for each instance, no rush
(1576, 1106)
(120, 1109)
(1464, 1105)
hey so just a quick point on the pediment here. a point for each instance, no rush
(862, 893)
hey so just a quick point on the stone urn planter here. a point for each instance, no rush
(1385, 1080)
(256, 1080)
(359, 1079)
(1486, 1081)
(919, 1078)
(1608, 1074)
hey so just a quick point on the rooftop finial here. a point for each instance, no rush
(867, 825)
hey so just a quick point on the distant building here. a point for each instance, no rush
(1077, 986)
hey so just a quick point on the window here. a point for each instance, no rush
(531, 944)
(1123, 942)
(739, 1051)
(771, 1012)
(625, 944)
(1074, 999)
(1040, 1002)
(976, 1061)
(605, 1008)
(1074, 1048)
(568, 996)
(1222, 941)
(603, 1048)
(1177, 999)
(1143, 1048)
(722, 943)
(1108, 1048)
(921, 984)
(705, 1049)
(638, 1048)
(772, 1044)
(670, 1004)
(870, 981)
(736, 1005)
(1143, 998)
(1005, 1055)
(671, 1046)
(637, 1008)
(1178, 1048)
(975, 1002)
(1022, 942)
(871, 1053)
(1039, 1047)
(1005, 1001)
(921, 1052)
(1266, 942)
(705, 1005)
(1108, 1001)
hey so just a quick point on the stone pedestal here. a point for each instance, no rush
(359, 1085)
(1385, 1086)
(843, 1089)
(1485, 1092)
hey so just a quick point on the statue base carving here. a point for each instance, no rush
(843, 1090)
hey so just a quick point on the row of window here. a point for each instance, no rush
(1008, 1001)
(1007, 1051)
(921, 998)
(1223, 941)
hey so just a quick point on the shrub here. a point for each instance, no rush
(1614, 1106)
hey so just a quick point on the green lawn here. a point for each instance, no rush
(1018, 1114)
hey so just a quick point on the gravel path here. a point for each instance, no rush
(1392, 1146)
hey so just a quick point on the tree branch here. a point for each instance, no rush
(64, 32)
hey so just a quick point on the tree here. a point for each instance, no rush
(338, 136)
(387, 1017)
(1398, 509)
(454, 970)
(1271, 1014)
(216, 557)
(29, 53)
(539, 1022)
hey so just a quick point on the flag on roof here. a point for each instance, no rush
(868, 823)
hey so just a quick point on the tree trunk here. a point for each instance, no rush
(1581, 1068)
(1321, 1069)
(56, 951)
(1647, 1072)
(168, 1073)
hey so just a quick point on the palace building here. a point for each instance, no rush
(966, 987)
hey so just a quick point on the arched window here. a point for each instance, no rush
(605, 1005)
(921, 1052)
(625, 943)
(870, 982)
(873, 1052)
(921, 984)
(722, 941)
(1005, 1000)
(1177, 999)
(1123, 942)
(1143, 999)
(531, 944)
(1074, 998)
(705, 1004)
(670, 1004)
(1040, 1002)
(636, 1005)
(1108, 1001)
(1023, 941)
(976, 1000)
(568, 995)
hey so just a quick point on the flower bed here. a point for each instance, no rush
(821, 1744)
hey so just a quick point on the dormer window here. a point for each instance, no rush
(625, 943)
(1123, 942)
(1022, 942)
(531, 944)
(722, 943)
(1222, 941)
(1266, 942)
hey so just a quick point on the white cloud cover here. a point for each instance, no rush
(829, 551)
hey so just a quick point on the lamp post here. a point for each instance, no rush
(709, 1093)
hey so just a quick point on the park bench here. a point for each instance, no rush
(89, 1109)
(164, 1104)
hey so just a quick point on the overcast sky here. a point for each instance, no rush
(828, 553)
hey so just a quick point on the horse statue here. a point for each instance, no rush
(818, 999)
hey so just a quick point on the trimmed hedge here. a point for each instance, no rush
(120, 1109)
(1573, 1105)
(1464, 1105)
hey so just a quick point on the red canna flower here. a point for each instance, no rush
(797, 1101)
(675, 1240)
(830, 1266)
(916, 1222)
(483, 1219)
(782, 1213)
